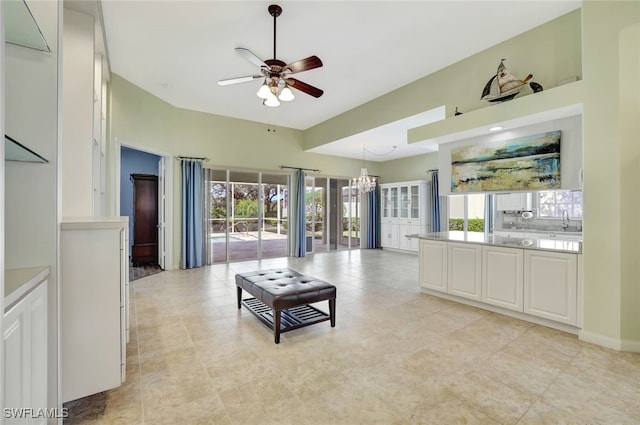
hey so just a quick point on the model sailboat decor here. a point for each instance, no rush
(504, 86)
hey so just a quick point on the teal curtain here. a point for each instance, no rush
(192, 237)
(373, 229)
(300, 249)
(435, 203)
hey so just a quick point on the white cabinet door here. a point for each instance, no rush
(550, 285)
(393, 202)
(405, 202)
(513, 201)
(385, 201)
(389, 233)
(433, 265)
(502, 277)
(465, 265)
(409, 228)
(25, 354)
(417, 196)
(16, 358)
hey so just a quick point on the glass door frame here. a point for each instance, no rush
(230, 212)
(327, 212)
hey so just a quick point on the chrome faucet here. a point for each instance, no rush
(565, 219)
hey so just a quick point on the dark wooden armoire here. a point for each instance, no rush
(145, 219)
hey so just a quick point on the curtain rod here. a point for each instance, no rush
(298, 168)
(195, 158)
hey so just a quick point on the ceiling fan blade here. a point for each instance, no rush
(304, 64)
(304, 87)
(239, 80)
(251, 57)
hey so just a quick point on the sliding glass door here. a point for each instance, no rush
(274, 220)
(248, 215)
(243, 230)
(333, 214)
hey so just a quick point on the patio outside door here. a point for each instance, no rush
(248, 217)
(333, 214)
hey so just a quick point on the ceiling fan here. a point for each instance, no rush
(276, 73)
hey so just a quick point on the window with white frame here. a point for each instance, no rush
(552, 203)
(466, 212)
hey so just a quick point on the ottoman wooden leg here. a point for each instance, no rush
(332, 312)
(239, 297)
(276, 326)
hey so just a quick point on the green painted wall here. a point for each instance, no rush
(611, 253)
(552, 52)
(142, 120)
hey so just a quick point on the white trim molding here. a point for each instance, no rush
(609, 342)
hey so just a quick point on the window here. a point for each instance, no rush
(552, 203)
(466, 212)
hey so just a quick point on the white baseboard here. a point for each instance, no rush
(608, 342)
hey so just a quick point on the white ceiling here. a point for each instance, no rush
(178, 50)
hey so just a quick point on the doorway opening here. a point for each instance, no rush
(333, 214)
(247, 215)
(142, 197)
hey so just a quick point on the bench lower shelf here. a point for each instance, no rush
(290, 319)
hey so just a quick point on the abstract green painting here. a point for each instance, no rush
(526, 163)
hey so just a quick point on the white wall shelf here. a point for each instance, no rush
(558, 102)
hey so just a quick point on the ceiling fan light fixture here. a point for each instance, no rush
(277, 83)
(263, 91)
(286, 94)
(272, 100)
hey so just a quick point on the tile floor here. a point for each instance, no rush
(396, 356)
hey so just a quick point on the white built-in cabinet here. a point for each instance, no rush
(502, 277)
(25, 339)
(404, 212)
(94, 304)
(465, 270)
(550, 285)
(538, 283)
(520, 201)
(85, 68)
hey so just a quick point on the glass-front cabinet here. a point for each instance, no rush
(404, 202)
(415, 201)
(404, 212)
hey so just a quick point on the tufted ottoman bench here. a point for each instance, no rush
(282, 298)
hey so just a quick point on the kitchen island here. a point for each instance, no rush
(538, 279)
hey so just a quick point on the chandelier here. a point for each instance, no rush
(364, 182)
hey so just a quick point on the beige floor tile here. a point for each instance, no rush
(541, 413)
(450, 411)
(498, 401)
(599, 395)
(396, 356)
(525, 373)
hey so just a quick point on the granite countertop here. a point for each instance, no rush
(19, 282)
(538, 242)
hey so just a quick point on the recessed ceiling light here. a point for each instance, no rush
(496, 128)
